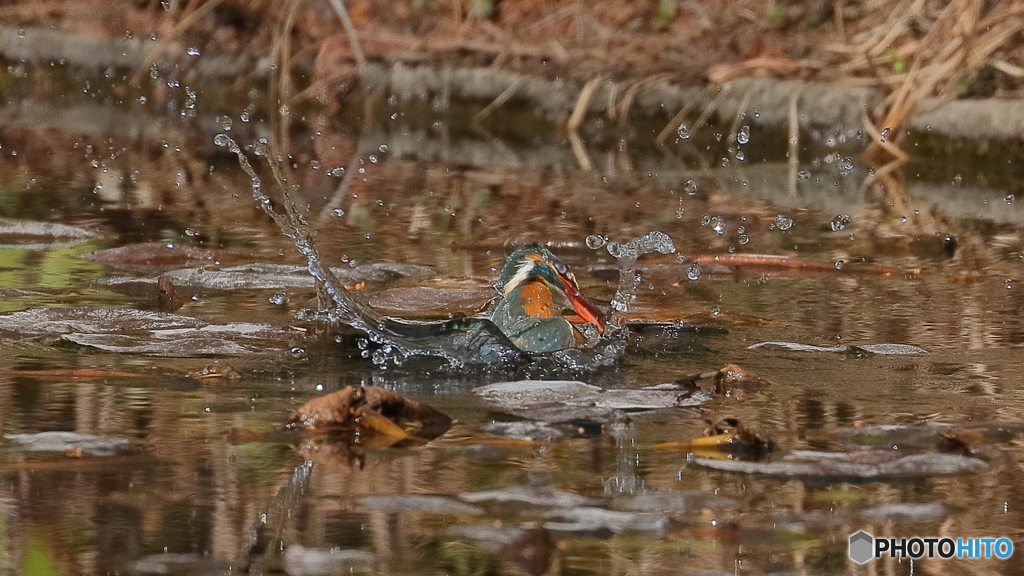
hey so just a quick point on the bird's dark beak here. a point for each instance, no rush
(584, 308)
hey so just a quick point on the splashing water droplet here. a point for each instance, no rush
(1009, 198)
(803, 175)
(383, 148)
(743, 136)
(744, 239)
(319, 387)
(690, 187)
(725, 162)
(683, 131)
(192, 51)
(840, 222)
(298, 352)
(190, 232)
(885, 133)
(840, 264)
(615, 249)
(336, 172)
(740, 156)
(1009, 283)
(717, 224)
(338, 212)
(705, 220)
(221, 140)
(903, 219)
(783, 222)
(596, 241)
(716, 311)
(693, 273)
(278, 299)
(169, 245)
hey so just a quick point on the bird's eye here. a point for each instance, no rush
(560, 268)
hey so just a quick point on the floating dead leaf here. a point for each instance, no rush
(371, 409)
(858, 350)
(726, 437)
(72, 444)
(732, 380)
(869, 465)
(15, 230)
(158, 256)
(424, 300)
(215, 371)
(77, 374)
(531, 552)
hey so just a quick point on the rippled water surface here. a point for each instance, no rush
(201, 484)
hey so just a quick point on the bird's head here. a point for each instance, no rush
(536, 263)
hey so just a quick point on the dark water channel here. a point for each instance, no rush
(931, 259)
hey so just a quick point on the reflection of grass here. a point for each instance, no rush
(55, 267)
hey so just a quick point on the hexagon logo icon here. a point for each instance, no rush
(861, 547)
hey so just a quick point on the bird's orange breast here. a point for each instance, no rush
(537, 302)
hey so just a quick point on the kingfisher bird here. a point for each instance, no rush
(535, 286)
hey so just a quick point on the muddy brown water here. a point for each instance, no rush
(201, 488)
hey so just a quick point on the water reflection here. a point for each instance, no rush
(210, 489)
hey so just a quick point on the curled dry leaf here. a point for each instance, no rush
(727, 437)
(370, 409)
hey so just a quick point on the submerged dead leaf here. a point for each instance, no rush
(214, 371)
(372, 409)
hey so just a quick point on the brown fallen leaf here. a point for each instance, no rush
(732, 380)
(369, 408)
(724, 438)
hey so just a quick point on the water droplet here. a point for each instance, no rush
(744, 239)
(595, 241)
(336, 172)
(783, 222)
(693, 273)
(1008, 199)
(21, 32)
(740, 156)
(743, 136)
(683, 131)
(803, 175)
(1009, 283)
(756, 113)
(278, 299)
(169, 245)
(142, 100)
(383, 148)
(225, 122)
(716, 311)
(840, 264)
(298, 352)
(221, 140)
(717, 224)
(885, 133)
(725, 162)
(680, 258)
(615, 249)
(372, 158)
(690, 187)
(207, 409)
(319, 387)
(244, 116)
(191, 232)
(283, 110)
(957, 180)
(192, 51)
(840, 222)
(338, 212)
(903, 219)
(173, 84)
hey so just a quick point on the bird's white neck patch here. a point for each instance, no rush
(521, 276)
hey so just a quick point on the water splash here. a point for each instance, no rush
(626, 256)
(454, 345)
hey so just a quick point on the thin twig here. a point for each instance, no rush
(350, 31)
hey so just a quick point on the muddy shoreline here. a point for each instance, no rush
(817, 105)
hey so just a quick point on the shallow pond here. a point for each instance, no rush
(172, 472)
